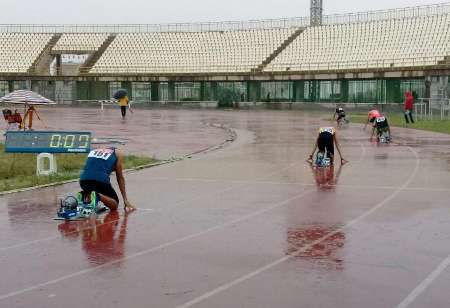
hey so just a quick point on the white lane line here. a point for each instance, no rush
(171, 205)
(139, 214)
(363, 154)
(249, 182)
(159, 247)
(349, 186)
(425, 284)
(260, 270)
(167, 244)
(241, 185)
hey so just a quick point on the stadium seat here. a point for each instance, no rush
(80, 42)
(20, 50)
(195, 52)
(405, 42)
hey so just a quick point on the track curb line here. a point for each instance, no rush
(231, 137)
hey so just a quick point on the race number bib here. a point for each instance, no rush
(101, 153)
(380, 119)
(327, 130)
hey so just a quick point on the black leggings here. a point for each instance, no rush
(409, 112)
(326, 142)
(341, 116)
(99, 187)
(123, 109)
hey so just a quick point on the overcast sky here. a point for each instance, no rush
(169, 11)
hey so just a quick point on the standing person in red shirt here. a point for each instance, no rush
(409, 102)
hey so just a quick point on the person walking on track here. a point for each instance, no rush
(123, 103)
(121, 96)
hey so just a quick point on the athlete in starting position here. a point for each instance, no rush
(340, 113)
(381, 126)
(95, 181)
(325, 142)
(373, 114)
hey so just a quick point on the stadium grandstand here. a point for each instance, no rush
(368, 57)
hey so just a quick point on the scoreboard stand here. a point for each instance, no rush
(46, 143)
(40, 166)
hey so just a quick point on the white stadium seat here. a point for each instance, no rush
(389, 43)
(195, 52)
(86, 42)
(405, 42)
(19, 50)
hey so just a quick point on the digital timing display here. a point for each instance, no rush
(47, 142)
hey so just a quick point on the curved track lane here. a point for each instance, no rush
(250, 225)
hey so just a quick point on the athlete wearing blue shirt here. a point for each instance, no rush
(95, 179)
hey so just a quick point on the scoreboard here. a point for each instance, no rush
(47, 142)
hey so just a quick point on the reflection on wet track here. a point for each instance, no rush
(247, 225)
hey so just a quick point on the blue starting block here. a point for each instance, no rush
(322, 160)
(73, 209)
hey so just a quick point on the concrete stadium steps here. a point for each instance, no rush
(282, 47)
(414, 41)
(190, 52)
(41, 65)
(395, 43)
(93, 58)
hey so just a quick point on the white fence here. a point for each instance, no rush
(200, 104)
(433, 105)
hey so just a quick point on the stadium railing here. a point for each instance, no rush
(198, 68)
(358, 17)
(359, 64)
(113, 103)
(408, 12)
(417, 62)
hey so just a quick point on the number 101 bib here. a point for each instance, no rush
(101, 153)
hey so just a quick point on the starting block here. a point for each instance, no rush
(322, 160)
(73, 209)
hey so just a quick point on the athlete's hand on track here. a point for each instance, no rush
(128, 207)
(310, 159)
(343, 161)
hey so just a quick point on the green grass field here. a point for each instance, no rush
(396, 119)
(19, 170)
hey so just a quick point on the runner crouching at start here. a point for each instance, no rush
(372, 115)
(380, 127)
(95, 179)
(325, 143)
(340, 114)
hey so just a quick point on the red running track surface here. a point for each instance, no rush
(249, 225)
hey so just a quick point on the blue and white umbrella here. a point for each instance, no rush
(29, 99)
(26, 97)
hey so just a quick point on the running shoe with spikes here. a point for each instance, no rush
(90, 202)
(80, 198)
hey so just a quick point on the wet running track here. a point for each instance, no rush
(248, 225)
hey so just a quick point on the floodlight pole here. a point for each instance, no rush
(316, 12)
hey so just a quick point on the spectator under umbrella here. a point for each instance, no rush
(121, 96)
